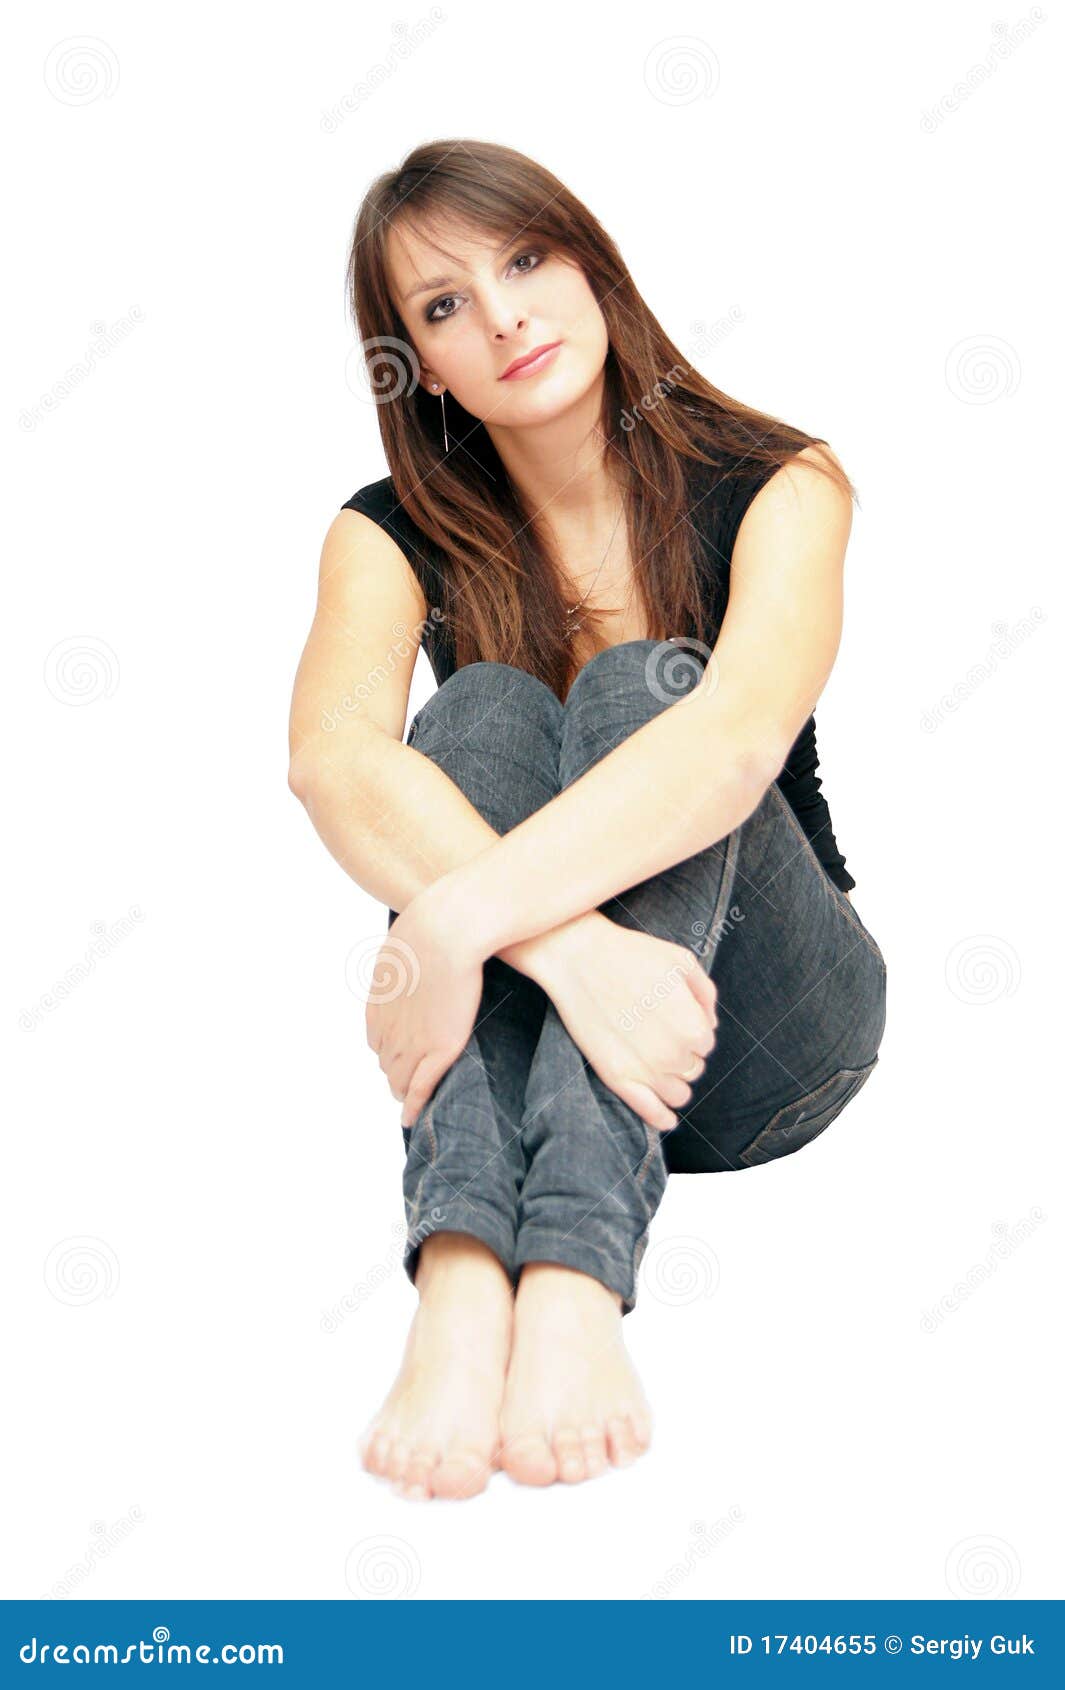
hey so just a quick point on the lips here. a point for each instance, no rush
(529, 359)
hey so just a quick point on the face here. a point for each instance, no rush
(488, 306)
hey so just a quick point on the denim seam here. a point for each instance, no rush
(839, 897)
(808, 1099)
(416, 1206)
(728, 876)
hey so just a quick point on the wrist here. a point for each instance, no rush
(542, 956)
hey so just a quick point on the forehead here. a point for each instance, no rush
(416, 253)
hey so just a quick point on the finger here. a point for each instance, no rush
(648, 1105)
(673, 1090)
(703, 988)
(423, 1083)
(371, 1028)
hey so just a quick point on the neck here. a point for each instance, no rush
(562, 470)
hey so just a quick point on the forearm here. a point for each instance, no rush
(669, 790)
(397, 824)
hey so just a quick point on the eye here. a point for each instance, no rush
(433, 314)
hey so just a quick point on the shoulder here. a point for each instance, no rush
(378, 503)
(798, 499)
(376, 499)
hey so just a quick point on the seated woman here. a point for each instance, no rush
(620, 941)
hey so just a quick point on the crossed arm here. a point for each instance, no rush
(700, 767)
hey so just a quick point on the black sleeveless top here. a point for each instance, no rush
(718, 507)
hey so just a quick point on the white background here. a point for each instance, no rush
(851, 1349)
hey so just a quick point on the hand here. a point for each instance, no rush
(419, 1026)
(643, 1010)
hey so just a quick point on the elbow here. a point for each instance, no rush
(760, 767)
(304, 775)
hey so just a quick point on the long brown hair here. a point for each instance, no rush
(503, 597)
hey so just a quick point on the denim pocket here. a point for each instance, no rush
(797, 1123)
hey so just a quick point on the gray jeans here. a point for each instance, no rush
(521, 1144)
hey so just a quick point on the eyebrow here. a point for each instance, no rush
(449, 281)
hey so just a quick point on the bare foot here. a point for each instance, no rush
(573, 1402)
(437, 1432)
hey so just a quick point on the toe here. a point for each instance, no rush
(620, 1441)
(399, 1454)
(461, 1473)
(417, 1481)
(593, 1442)
(377, 1453)
(640, 1422)
(529, 1460)
(569, 1453)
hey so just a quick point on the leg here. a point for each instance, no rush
(596, 1170)
(494, 731)
(802, 1012)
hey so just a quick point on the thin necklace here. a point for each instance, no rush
(571, 610)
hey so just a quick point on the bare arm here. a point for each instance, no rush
(693, 773)
(390, 817)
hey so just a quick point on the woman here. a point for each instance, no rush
(618, 916)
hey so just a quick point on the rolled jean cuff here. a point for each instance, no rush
(540, 1244)
(475, 1220)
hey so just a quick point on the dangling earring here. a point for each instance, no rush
(443, 413)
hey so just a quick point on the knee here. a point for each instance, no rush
(482, 688)
(660, 671)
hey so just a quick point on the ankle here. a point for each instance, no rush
(553, 1283)
(451, 1263)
